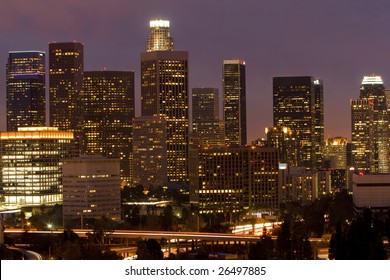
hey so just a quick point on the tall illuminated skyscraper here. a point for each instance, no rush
(164, 93)
(108, 104)
(298, 105)
(370, 127)
(25, 89)
(206, 125)
(234, 102)
(66, 68)
(159, 36)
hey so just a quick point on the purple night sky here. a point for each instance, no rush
(337, 41)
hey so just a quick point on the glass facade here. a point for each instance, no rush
(25, 89)
(31, 165)
(108, 103)
(66, 68)
(234, 102)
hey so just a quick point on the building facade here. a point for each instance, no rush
(231, 180)
(206, 125)
(159, 36)
(108, 103)
(66, 70)
(298, 105)
(164, 93)
(91, 189)
(150, 151)
(335, 152)
(371, 143)
(25, 89)
(31, 165)
(234, 102)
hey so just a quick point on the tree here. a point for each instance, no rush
(149, 250)
(338, 246)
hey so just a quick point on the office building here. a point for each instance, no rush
(370, 127)
(31, 165)
(335, 152)
(164, 93)
(108, 103)
(286, 142)
(206, 125)
(229, 180)
(91, 189)
(298, 105)
(159, 36)
(150, 151)
(371, 191)
(234, 102)
(66, 68)
(25, 89)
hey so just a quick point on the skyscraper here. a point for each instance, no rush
(108, 105)
(164, 93)
(159, 36)
(66, 68)
(371, 143)
(234, 102)
(298, 105)
(205, 117)
(25, 89)
(150, 151)
(335, 151)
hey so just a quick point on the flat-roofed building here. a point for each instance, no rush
(31, 165)
(91, 188)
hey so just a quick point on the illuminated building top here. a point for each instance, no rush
(159, 23)
(372, 80)
(159, 36)
(36, 133)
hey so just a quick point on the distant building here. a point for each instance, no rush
(335, 152)
(164, 93)
(31, 165)
(286, 142)
(66, 70)
(230, 180)
(91, 188)
(150, 151)
(108, 103)
(370, 127)
(371, 191)
(298, 105)
(234, 102)
(206, 125)
(25, 89)
(159, 36)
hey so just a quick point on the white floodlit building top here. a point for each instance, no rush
(372, 80)
(159, 23)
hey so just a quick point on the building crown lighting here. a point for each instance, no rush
(372, 80)
(159, 23)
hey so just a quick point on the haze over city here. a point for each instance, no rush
(337, 43)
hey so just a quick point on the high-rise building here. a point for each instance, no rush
(298, 105)
(335, 152)
(108, 103)
(362, 111)
(228, 180)
(25, 89)
(286, 142)
(31, 165)
(91, 189)
(370, 127)
(164, 93)
(234, 102)
(206, 126)
(150, 151)
(66, 68)
(159, 36)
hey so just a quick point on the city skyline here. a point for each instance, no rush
(302, 41)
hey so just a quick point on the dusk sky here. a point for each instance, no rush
(337, 41)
